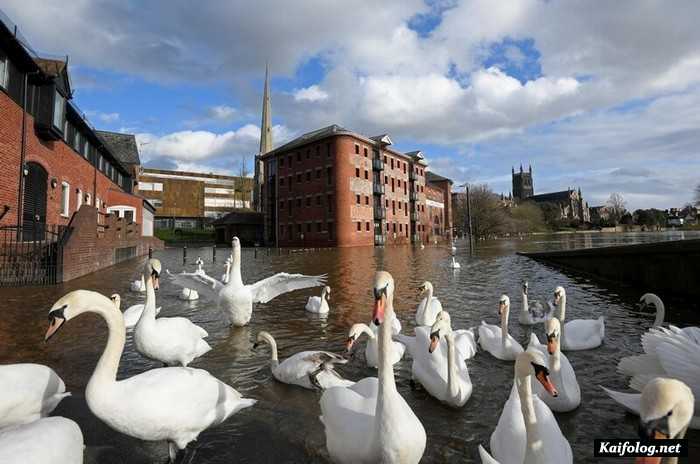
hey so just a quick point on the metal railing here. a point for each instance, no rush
(411, 174)
(31, 254)
(379, 240)
(379, 213)
(377, 164)
(412, 195)
(378, 188)
(414, 216)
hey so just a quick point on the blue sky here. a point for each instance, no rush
(601, 99)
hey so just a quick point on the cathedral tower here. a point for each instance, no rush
(522, 183)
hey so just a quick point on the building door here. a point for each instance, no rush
(34, 202)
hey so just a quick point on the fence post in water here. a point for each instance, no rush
(150, 252)
(213, 253)
(184, 254)
(256, 252)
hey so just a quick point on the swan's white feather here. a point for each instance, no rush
(203, 284)
(52, 440)
(29, 392)
(268, 289)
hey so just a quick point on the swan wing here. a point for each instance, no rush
(267, 289)
(53, 440)
(629, 401)
(202, 284)
(29, 391)
(680, 358)
(557, 448)
(465, 343)
(486, 458)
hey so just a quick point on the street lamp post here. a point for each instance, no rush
(468, 218)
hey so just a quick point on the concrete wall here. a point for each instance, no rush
(664, 267)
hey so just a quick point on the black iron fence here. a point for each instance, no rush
(31, 254)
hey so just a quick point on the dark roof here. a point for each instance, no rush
(432, 177)
(240, 217)
(312, 136)
(123, 146)
(564, 195)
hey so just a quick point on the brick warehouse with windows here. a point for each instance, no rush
(54, 163)
(335, 187)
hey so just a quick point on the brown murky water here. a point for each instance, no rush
(284, 425)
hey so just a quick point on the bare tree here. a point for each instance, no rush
(243, 168)
(488, 215)
(616, 204)
(697, 195)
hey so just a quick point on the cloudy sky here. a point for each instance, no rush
(601, 95)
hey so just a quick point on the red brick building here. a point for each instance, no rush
(335, 187)
(53, 161)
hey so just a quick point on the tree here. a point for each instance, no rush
(616, 206)
(526, 217)
(488, 215)
(697, 195)
(552, 215)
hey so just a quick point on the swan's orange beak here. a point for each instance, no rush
(547, 384)
(434, 340)
(56, 320)
(348, 343)
(378, 313)
(501, 308)
(551, 346)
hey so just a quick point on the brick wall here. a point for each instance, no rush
(89, 247)
(60, 161)
(10, 157)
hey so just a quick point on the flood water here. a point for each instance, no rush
(284, 426)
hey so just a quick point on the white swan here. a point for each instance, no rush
(171, 403)
(227, 271)
(560, 369)
(138, 285)
(422, 247)
(496, 340)
(132, 314)
(29, 392)
(465, 343)
(187, 294)
(396, 349)
(52, 440)
(308, 369)
(319, 304)
(527, 431)
(453, 248)
(454, 264)
(171, 340)
(448, 380)
(667, 405)
(533, 313)
(579, 334)
(370, 421)
(673, 353)
(236, 299)
(429, 307)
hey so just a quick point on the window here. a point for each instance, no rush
(319, 227)
(318, 200)
(367, 200)
(392, 163)
(357, 199)
(392, 184)
(65, 199)
(308, 227)
(387, 227)
(357, 149)
(366, 223)
(299, 178)
(59, 110)
(365, 152)
(394, 227)
(400, 205)
(357, 172)
(308, 176)
(328, 150)
(299, 159)
(155, 202)
(329, 226)
(298, 202)
(308, 201)
(281, 182)
(329, 175)
(359, 224)
(318, 151)
(386, 180)
(318, 173)
(77, 141)
(366, 174)
(281, 230)
(290, 161)
(78, 199)
(219, 202)
(3, 70)
(393, 207)
(291, 179)
(384, 159)
(86, 149)
(330, 203)
(404, 168)
(97, 203)
(282, 165)
(400, 227)
(88, 199)
(158, 187)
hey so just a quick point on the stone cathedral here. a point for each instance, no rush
(571, 204)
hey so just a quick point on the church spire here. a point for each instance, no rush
(266, 124)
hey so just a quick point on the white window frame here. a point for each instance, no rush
(4, 73)
(88, 200)
(65, 199)
(79, 200)
(59, 98)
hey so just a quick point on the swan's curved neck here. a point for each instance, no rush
(149, 307)
(526, 306)
(387, 383)
(235, 270)
(452, 384)
(106, 369)
(527, 407)
(323, 294)
(562, 310)
(504, 325)
(660, 313)
(370, 333)
(274, 360)
(429, 296)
